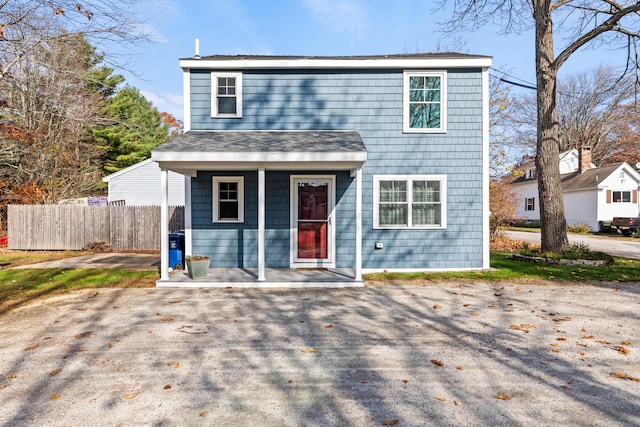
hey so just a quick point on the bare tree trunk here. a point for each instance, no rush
(552, 218)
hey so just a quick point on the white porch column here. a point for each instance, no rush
(188, 248)
(164, 224)
(261, 223)
(358, 266)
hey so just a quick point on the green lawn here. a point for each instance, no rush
(505, 268)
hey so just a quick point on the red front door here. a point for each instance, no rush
(313, 204)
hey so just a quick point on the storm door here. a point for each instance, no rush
(312, 215)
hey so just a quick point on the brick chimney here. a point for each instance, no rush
(584, 159)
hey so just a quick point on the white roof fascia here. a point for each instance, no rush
(126, 170)
(319, 63)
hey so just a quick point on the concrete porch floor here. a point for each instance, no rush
(275, 278)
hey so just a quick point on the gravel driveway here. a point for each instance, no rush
(402, 354)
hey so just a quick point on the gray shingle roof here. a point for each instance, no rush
(588, 179)
(316, 141)
(578, 181)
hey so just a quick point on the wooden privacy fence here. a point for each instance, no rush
(73, 227)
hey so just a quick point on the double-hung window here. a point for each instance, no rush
(409, 201)
(622, 197)
(226, 94)
(424, 101)
(228, 199)
(529, 204)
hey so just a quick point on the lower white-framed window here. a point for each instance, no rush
(409, 201)
(622, 197)
(529, 204)
(228, 199)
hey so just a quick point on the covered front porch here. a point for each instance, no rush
(281, 176)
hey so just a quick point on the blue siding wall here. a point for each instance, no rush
(236, 245)
(370, 102)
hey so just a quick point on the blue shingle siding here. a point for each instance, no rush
(370, 102)
(236, 245)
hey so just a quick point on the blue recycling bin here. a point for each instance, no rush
(176, 251)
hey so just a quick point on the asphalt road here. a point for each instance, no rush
(617, 246)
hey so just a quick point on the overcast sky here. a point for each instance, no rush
(314, 27)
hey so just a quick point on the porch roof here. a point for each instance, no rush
(268, 149)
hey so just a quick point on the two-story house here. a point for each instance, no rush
(331, 165)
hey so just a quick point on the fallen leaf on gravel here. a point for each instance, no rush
(624, 376)
(167, 319)
(309, 350)
(544, 362)
(130, 395)
(93, 295)
(82, 335)
(55, 372)
(581, 345)
(502, 396)
(475, 313)
(524, 327)
(54, 396)
(170, 363)
(390, 422)
(437, 362)
(603, 342)
(203, 413)
(329, 326)
(178, 365)
(587, 337)
(11, 376)
(437, 306)
(457, 403)
(167, 387)
(83, 309)
(441, 398)
(414, 295)
(460, 368)
(110, 345)
(561, 339)
(554, 344)
(626, 342)
(561, 319)
(405, 381)
(32, 347)
(621, 349)
(2, 386)
(178, 301)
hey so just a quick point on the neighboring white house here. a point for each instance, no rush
(591, 194)
(139, 184)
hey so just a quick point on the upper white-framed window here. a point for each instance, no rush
(228, 199)
(410, 201)
(226, 94)
(424, 102)
(531, 173)
(529, 204)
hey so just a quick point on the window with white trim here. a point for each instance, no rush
(226, 94)
(529, 204)
(424, 101)
(622, 197)
(228, 199)
(409, 201)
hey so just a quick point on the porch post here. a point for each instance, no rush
(164, 224)
(261, 223)
(188, 250)
(358, 266)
